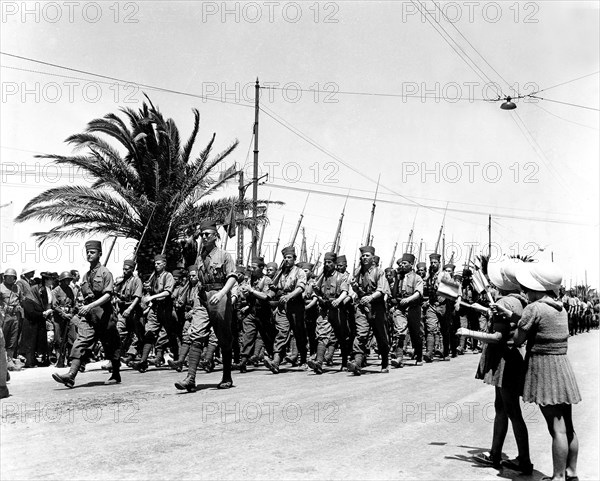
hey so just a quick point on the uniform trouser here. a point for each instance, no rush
(61, 334)
(159, 317)
(33, 339)
(99, 324)
(332, 326)
(254, 323)
(365, 322)
(462, 322)
(131, 331)
(3, 366)
(10, 330)
(408, 320)
(310, 317)
(218, 317)
(288, 319)
(433, 319)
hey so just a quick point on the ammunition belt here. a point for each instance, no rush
(213, 287)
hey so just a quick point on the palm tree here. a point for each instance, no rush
(151, 181)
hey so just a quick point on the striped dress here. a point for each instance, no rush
(549, 378)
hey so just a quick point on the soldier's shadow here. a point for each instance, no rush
(501, 472)
(202, 387)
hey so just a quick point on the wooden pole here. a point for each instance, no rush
(255, 171)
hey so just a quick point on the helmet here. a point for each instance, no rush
(10, 272)
(65, 275)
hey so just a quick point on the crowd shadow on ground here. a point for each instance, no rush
(504, 473)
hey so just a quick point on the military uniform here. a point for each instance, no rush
(407, 316)
(256, 319)
(435, 310)
(288, 316)
(370, 316)
(10, 315)
(331, 322)
(65, 310)
(215, 268)
(131, 328)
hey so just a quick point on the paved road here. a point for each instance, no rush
(415, 423)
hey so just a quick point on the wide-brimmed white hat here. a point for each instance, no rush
(27, 269)
(539, 276)
(502, 274)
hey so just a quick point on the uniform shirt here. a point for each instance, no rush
(179, 295)
(407, 285)
(10, 298)
(25, 288)
(218, 266)
(289, 281)
(372, 281)
(128, 289)
(96, 283)
(332, 286)
(162, 282)
(63, 302)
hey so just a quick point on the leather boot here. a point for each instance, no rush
(142, 364)
(226, 380)
(189, 383)
(115, 377)
(159, 359)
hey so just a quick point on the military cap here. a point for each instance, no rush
(273, 265)
(192, 268)
(330, 256)
(407, 257)
(341, 259)
(421, 264)
(176, 272)
(389, 269)
(208, 225)
(376, 259)
(288, 251)
(369, 249)
(259, 261)
(160, 257)
(93, 244)
(129, 262)
(449, 265)
(10, 272)
(65, 275)
(435, 256)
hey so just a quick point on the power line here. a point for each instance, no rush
(371, 94)
(567, 82)
(562, 118)
(474, 66)
(564, 103)
(177, 92)
(467, 40)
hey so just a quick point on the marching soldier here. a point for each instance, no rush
(370, 286)
(435, 306)
(287, 287)
(161, 312)
(218, 275)
(330, 292)
(65, 310)
(128, 296)
(405, 298)
(256, 315)
(310, 307)
(97, 320)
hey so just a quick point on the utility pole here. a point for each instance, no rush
(240, 226)
(255, 171)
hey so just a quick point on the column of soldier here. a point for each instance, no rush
(213, 311)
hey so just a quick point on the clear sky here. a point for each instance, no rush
(432, 138)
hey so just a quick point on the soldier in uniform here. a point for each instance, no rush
(435, 306)
(330, 291)
(218, 275)
(405, 298)
(10, 315)
(421, 270)
(97, 321)
(370, 286)
(256, 315)
(288, 286)
(311, 311)
(127, 297)
(160, 314)
(65, 310)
